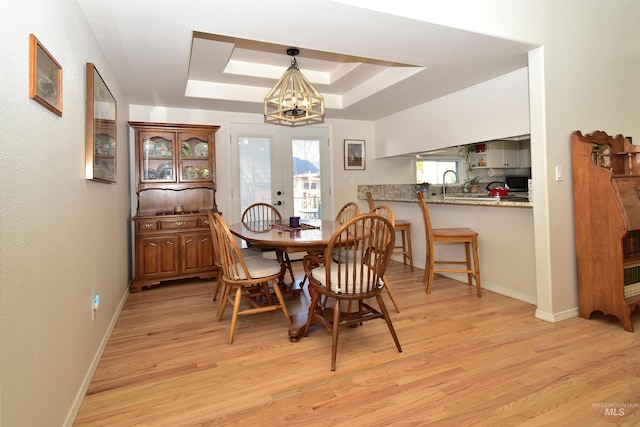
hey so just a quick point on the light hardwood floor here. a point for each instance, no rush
(466, 361)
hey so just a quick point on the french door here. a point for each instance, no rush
(279, 165)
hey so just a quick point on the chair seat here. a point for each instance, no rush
(320, 274)
(454, 232)
(249, 253)
(259, 267)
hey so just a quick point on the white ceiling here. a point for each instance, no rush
(227, 54)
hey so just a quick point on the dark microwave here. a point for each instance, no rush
(518, 182)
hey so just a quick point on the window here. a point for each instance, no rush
(431, 171)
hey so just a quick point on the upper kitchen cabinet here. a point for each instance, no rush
(174, 156)
(524, 155)
(496, 154)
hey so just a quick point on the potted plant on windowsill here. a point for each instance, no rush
(471, 184)
(423, 186)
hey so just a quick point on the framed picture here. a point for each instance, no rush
(354, 154)
(45, 77)
(101, 141)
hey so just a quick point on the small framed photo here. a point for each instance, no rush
(354, 154)
(45, 77)
(101, 136)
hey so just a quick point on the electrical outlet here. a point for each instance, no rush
(95, 304)
(93, 298)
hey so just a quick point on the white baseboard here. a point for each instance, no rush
(73, 412)
(511, 294)
(557, 317)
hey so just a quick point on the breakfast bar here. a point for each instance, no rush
(505, 228)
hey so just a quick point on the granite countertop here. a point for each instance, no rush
(408, 193)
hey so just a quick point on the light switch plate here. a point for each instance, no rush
(558, 173)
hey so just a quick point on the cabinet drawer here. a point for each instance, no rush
(146, 226)
(178, 223)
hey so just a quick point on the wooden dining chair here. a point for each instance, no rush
(404, 228)
(348, 211)
(466, 236)
(216, 255)
(259, 212)
(365, 244)
(245, 279)
(385, 211)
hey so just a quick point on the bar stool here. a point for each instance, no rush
(404, 227)
(466, 236)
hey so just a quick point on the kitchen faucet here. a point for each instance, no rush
(444, 182)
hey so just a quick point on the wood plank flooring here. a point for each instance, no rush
(466, 361)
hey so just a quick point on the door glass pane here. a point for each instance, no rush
(255, 171)
(306, 178)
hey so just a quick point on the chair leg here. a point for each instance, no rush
(391, 294)
(224, 299)
(385, 312)
(288, 261)
(409, 249)
(467, 254)
(267, 292)
(216, 287)
(315, 300)
(283, 306)
(430, 272)
(476, 266)
(334, 335)
(236, 309)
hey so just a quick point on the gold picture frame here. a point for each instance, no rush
(45, 77)
(101, 136)
(354, 154)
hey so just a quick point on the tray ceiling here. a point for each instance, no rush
(226, 55)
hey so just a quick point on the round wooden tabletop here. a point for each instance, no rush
(279, 234)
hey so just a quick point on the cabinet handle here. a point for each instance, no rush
(179, 223)
(206, 221)
(148, 226)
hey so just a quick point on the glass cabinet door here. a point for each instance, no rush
(157, 157)
(195, 157)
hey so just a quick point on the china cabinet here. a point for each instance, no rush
(175, 187)
(606, 200)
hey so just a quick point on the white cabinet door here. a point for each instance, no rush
(502, 154)
(525, 154)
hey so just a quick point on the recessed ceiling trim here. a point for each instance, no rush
(233, 92)
(378, 83)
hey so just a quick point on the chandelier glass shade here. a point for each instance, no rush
(293, 101)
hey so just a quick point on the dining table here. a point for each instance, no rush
(311, 236)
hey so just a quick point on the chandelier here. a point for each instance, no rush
(293, 101)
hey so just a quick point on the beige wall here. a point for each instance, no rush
(494, 109)
(62, 237)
